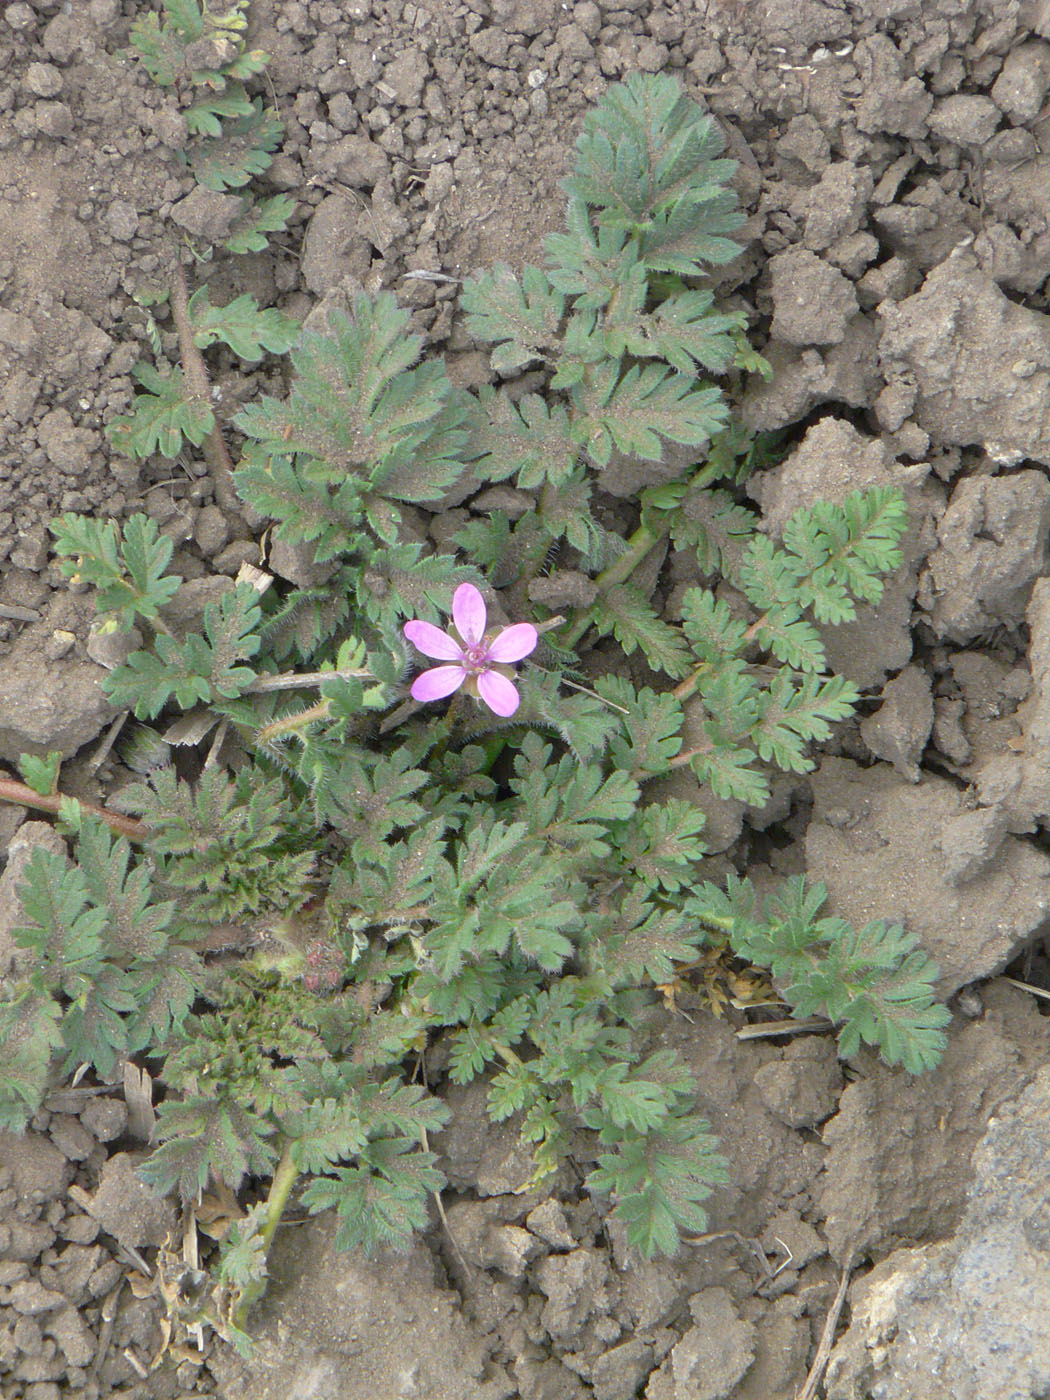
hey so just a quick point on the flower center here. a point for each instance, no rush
(474, 657)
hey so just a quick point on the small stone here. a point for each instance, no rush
(43, 80)
(619, 1373)
(31, 1298)
(110, 649)
(79, 1229)
(491, 46)
(73, 1337)
(126, 1208)
(19, 17)
(548, 1222)
(53, 119)
(812, 301)
(70, 1137)
(406, 75)
(1022, 83)
(121, 220)
(211, 530)
(966, 119)
(104, 1118)
(32, 550)
(207, 214)
(714, 1355)
(587, 17)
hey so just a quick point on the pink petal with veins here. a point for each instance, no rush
(438, 682)
(431, 641)
(468, 613)
(513, 643)
(498, 693)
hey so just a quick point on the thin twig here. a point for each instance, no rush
(827, 1337)
(767, 1030)
(303, 680)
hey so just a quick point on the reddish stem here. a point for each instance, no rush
(11, 790)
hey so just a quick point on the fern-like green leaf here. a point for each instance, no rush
(649, 734)
(205, 1138)
(644, 148)
(662, 846)
(161, 417)
(684, 330)
(249, 229)
(635, 411)
(591, 265)
(199, 669)
(658, 1180)
(527, 439)
(242, 149)
(521, 319)
(624, 611)
(844, 549)
(240, 324)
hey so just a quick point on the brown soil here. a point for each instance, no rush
(891, 162)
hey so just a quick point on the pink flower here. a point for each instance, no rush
(478, 660)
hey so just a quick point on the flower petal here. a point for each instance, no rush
(438, 682)
(498, 693)
(431, 641)
(513, 643)
(468, 613)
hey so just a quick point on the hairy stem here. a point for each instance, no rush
(284, 1178)
(199, 386)
(638, 546)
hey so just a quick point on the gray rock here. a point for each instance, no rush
(575, 1287)
(874, 841)
(896, 1161)
(812, 301)
(836, 205)
(969, 1318)
(43, 79)
(336, 1326)
(207, 214)
(980, 364)
(121, 220)
(38, 1170)
(801, 1089)
(891, 100)
(992, 546)
(127, 1209)
(971, 841)
(844, 373)
(1020, 89)
(31, 1297)
(619, 1372)
(406, 75)
(965, 118)
(75, 1340)
(899, 729)
(716, 1352)
(334, 246)
(549, 1224)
